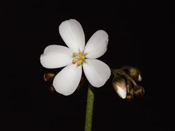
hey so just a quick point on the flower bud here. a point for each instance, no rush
(120, 87)
(129, 97)
(139, 91)
(52, 89)
(135, 74)
(130, 92)
(48, 76)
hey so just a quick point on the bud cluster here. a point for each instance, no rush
(48, 77)
(124, 82)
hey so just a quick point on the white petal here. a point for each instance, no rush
(139, 78)
(96, 71)
(97, 44)
(57, 48)
(56, 56)
(121, 92)
(73, 35)
(67, 80)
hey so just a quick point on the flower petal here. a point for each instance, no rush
(73, 35)
(67, 80)
(96, 71)
(56, 56)
(57, 48)
(97, 44)
(121, 91)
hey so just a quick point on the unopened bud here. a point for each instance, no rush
(135, 74)
(48, 76)
(131, 91)
(52, 89)
(129, 97)
(139, 91)
(120, 87)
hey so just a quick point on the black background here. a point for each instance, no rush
(139, 35)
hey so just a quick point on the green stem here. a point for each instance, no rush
(89, 108)
(121, 72)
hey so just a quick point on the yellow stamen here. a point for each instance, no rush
(74, 53)
(73, 60)
(82, 57)
(79, 63)
(80, 52)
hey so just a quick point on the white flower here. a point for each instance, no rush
(75, 57)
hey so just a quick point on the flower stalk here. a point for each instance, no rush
(89, 108)
(121, 72)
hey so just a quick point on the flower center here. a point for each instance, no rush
(78, 58)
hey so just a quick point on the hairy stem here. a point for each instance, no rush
(121, 72)
(89, 108)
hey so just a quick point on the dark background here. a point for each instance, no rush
(139, 35)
